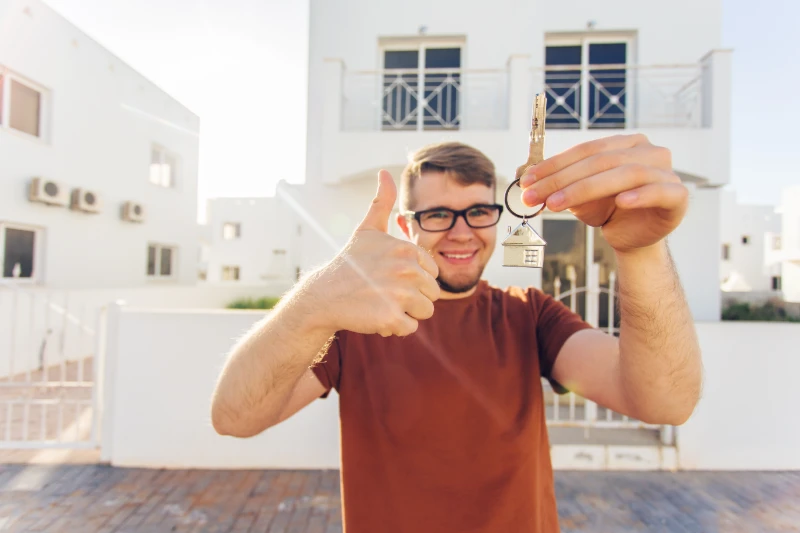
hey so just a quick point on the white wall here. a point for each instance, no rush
(61, 325)
(162, 368)
(748, 261)
(747, 418)
(103, 118)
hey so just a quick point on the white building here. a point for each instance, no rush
(480, 71)
(788, 253)
(98, 182)
(750, 239)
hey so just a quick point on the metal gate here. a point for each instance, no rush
(571, 410)
(48, 371)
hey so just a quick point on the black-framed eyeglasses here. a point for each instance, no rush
(443, 219)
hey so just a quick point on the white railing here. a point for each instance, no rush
(622, 96)
(47, 370)
(424, 100)
(575, 411)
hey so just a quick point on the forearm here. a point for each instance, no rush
(266, 363)
(660, 367)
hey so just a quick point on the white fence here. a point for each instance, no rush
(48, 343)
(163, 366)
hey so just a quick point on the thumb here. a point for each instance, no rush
(381, 208)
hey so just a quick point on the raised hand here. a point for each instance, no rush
(378, 283)
(622, 183)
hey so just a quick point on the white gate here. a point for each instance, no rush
(47, 369)
(575, 411)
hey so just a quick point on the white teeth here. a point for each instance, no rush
(458, 256)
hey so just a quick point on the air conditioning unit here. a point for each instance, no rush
(132, 212)
(86, 201)
(48, 192)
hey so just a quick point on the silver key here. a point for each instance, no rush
(523, 247)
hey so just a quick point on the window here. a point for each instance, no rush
(584, 85)
(160, 261)
(776, 283)
(230, 273)
(162, 167)
(726, 252)
(231, 230)
(18, 246)
(21, 104)
(421, 87)
(745, 239)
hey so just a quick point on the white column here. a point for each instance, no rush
(520, 95)
(331, 115)
(717, 111)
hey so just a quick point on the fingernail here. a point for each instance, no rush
(529, 197)
(556, 199)
(629, 197)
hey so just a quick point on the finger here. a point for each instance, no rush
(606, 184)
(427, 262)
(429, 287)
(420, 307)
(403, 325)
(380, 209)
(655, 195)
(648, 155)
(577, 153)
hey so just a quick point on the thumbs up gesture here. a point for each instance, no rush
(377, 283)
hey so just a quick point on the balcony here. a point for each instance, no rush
(682, 106)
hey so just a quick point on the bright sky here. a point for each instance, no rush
(241, 65)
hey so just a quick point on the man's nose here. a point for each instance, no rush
(461, 229)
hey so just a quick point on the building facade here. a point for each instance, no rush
(400, 76)
(98, 182)
(751, 236)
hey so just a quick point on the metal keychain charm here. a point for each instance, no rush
(523, 247)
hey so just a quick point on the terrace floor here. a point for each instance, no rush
(92, 498)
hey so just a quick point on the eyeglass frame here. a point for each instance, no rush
(417, 215)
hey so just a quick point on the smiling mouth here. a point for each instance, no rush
(461, 256)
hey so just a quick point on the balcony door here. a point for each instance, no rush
(572, 248)
(421, 87)
(587, 83)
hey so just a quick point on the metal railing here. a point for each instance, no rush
(425, 100)
(47, 370)
(622, 96)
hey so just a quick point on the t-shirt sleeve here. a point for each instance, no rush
(329, 364)
(555, 323)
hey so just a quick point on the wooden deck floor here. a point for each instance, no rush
(102, 499)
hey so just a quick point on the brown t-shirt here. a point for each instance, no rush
(444, 431)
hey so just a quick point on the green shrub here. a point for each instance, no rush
(768, 312)
(268, 302)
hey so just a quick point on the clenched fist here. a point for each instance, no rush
(378, 283)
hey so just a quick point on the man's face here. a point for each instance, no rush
(462, 252)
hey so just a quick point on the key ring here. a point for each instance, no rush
(523, 217)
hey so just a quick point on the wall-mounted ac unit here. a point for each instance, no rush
(132, 212)
(86, 201)
(48, 192)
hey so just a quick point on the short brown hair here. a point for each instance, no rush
(464, 163)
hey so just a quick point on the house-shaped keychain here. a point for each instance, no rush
(523, 247)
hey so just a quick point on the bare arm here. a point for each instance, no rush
(376, 284)
(627, 186)
(265, 365)
(653, 371)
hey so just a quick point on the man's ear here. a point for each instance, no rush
(402, 221)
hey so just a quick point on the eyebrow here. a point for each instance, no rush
(453, 209)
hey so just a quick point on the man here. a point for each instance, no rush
(438, 373)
